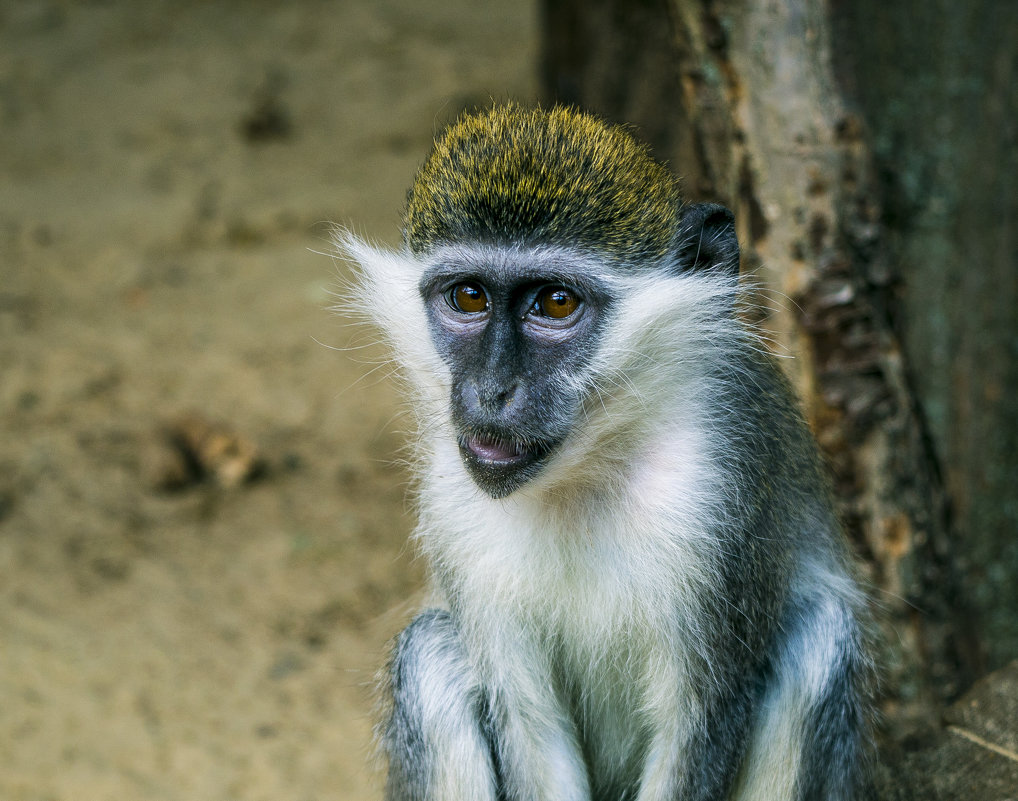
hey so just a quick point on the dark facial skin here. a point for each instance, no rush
(513, 327)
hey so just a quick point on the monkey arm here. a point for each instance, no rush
(449, 737)
(532, 735)
(699, 739)
(806, 743)
(434, 738)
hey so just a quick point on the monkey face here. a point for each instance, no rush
(516, 328)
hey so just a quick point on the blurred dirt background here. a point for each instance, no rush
(167, 172)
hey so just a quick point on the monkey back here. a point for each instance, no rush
(529, 176)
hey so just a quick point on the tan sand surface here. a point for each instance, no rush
(166, 173)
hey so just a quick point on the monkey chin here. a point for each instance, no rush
(500, 465)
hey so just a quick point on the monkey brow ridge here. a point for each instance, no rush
(516, 175)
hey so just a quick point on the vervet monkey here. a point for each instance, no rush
(642, 588)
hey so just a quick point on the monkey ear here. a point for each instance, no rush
(707, 239)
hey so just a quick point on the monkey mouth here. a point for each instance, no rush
(496, 450)
(501, 464)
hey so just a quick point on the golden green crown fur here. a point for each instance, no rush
(529, 176)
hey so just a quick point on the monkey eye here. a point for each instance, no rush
(555, 302)
(467, 298)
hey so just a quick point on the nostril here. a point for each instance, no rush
(505, 399)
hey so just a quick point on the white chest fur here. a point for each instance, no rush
(578, 602)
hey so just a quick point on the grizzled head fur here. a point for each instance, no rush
(514, 175)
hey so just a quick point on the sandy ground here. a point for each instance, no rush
(166, 171)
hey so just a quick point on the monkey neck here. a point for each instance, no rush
(617, 543)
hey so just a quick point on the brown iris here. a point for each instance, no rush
(556, 302)
(468, 298)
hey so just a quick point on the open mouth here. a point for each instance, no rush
(501, 464)
(497, 450)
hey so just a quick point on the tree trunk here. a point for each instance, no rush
(843, 159)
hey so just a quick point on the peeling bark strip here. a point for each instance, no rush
(740, 97)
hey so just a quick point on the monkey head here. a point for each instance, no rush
(530, 225)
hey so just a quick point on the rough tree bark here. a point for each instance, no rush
(938, 85)
(782, 111)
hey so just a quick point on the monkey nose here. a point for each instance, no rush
(489, 399)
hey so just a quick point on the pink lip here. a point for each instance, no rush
(494, 450)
